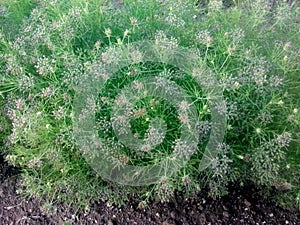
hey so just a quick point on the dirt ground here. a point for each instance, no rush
(239, 207)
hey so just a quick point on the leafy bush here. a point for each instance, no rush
(252, 48)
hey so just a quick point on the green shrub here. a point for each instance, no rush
(252, 48)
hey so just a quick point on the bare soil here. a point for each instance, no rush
(244, 206)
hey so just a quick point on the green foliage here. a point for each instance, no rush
(12, 14)
(252, 47)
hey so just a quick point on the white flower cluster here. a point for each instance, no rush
(164, 42)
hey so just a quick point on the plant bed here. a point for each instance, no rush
(240, 206)
(132, 102)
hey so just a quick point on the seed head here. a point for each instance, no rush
(107, 32)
